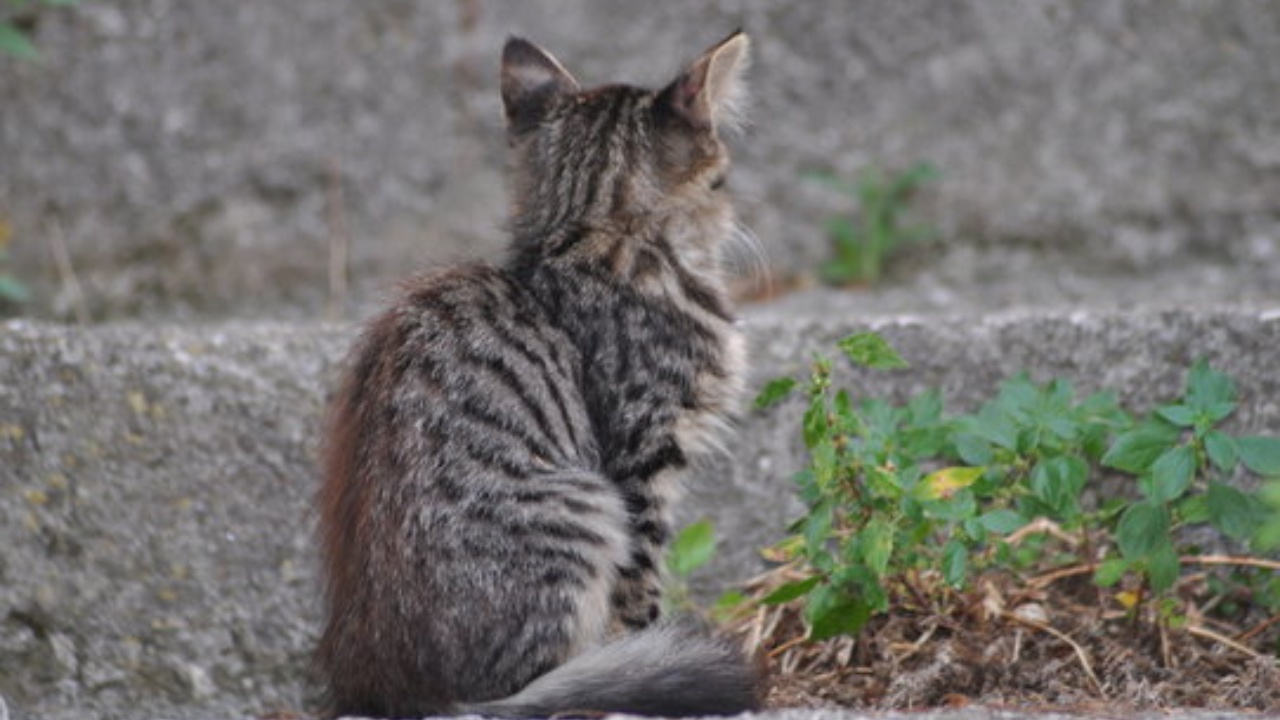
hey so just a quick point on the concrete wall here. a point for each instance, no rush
(202, 158)
(156, 553)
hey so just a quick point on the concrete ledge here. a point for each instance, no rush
(154, 482)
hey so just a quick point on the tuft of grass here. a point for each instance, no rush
(12, 290)
(863, 242)
(16, 19)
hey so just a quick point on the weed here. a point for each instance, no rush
(16, 17)
(692, 548)
(12, 291)
(862, 245)
(895, 493)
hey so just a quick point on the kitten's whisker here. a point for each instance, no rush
(747, 257)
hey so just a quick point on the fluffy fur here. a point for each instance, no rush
(507, 445)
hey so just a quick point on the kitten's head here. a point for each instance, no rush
(620, 159)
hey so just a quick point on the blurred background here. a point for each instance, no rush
(292, 159)
(173, 173)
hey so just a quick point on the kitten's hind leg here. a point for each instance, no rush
(637, 597)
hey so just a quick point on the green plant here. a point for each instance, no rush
(904, 498)
(692, 548)
(12, 290)
(862, 245)
(15, 19)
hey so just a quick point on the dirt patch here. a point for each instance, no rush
(1062, 644)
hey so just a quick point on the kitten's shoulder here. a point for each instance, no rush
(463, 289)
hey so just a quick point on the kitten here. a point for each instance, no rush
(504, 453)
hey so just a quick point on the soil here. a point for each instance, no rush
(1055, 643)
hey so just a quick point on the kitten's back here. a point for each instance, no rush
(500, 458)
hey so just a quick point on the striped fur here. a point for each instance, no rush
(505, 451)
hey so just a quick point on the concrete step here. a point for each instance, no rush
(155, 481)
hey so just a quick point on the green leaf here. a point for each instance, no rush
(817, 528)
(1268, 534)
(727, 606)
(947, 483)
(692, 548)
(1179, 415)
(973, 450)
(994, 425)
(1233, 512)
(1217, 411)
(830, 612)
(823, 461)
(1059, 481)
(925, 408)
(1142, 528)
(1135, 451)
(13, 291)
(1110, 571)
(1001, 522)
(1221, 449)
(774, 391)
(14, 42)
(1193, 509)
(955, 562)
(870, 349)
(876, 544)
(959, 507)
(790, 591)
(1260, 454)
(1172, 472)
(1163, 567)
(1208, 389)
(814, 423)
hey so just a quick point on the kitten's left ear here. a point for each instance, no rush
(710, 92)
(531, 79)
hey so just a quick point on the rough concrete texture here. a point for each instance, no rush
(207, 159)
(154, 482)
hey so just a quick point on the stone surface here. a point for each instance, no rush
(206, 159)
(156, 557)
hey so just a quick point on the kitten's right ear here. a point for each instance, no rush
(711, 90)
(531, 79)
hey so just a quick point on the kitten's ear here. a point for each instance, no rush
(710, 92)
(531, 78)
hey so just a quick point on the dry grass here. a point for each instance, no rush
(1057, 642)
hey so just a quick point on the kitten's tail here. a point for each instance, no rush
(671, 670)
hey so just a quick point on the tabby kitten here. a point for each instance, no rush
(504, 453)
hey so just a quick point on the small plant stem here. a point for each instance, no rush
(67, 272)
(1042, 525)
(1079, 651)
(1207, 634)
(1256, 629)
(1051, 577)
(918, 645)
(778, 651)
(1166, 654)
(1230, 560)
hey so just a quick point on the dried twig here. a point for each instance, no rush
(1049, 578)
(1230, 560)
(1079, 651)
(1203, 632)
(1256, 629)
(787, 646)
(1042, 525)
(67, 272)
